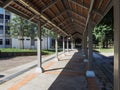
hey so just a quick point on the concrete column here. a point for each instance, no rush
(71, 43)
(85, 45)
(90, 46)
(39, 53)
(116, 4)
(63, 45)
(56, 48)
(67, 45)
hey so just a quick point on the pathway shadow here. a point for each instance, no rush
(72, 77)
(1, 76)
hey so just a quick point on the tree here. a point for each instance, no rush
(32, 32)
(104, 30)
(18, 28)
(21, 28)
(103, 35)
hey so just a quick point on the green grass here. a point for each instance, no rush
(47, 52)
(105, 50)
(16, 50)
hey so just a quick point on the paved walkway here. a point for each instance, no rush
(66, 74)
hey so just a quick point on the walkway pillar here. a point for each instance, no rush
(116, 4)
(72, 43)
(90, 46)
(56, 48)
(67, 45)
(39, 53)
(85, 44)
(63, 45)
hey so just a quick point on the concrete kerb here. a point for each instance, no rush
(21, 69)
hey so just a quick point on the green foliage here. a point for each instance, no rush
(18, 27)
(103, 32)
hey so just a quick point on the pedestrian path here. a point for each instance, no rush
(66, 74)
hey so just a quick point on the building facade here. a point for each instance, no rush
(5, 39)
(46, 43)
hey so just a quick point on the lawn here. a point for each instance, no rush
(16, 50)
(52, 51)
(105, 50)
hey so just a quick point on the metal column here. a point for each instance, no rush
(39, 54)
(116, 44)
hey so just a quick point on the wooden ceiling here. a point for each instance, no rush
(66, 17)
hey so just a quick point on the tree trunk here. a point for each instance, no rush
(32, 43)
(22, 42)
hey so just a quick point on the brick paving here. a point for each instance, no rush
(66, 74)
(8, 63)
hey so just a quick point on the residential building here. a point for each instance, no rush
(5, 39)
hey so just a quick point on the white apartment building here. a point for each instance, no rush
(6, 41)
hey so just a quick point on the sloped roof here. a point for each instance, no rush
(66, 17)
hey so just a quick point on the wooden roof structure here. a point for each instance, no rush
(66, 17)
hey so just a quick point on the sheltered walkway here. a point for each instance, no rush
(67, 74)
(72, 19)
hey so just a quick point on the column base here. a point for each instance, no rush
(90, 73)
(63, 54)
(39, 70)
(83, 55)
(56, 59)
(86, 60)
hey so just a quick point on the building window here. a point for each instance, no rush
(1, 18)
(7, 42)
(1, 27)
(7, 16)
(1, 42)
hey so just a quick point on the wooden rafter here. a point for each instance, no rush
(78, 14)
(61, 13)
(33, 8)
(85, 6)
(7, 3)
(48, 6)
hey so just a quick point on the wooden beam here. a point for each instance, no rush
(89, 14)
(48, 6)
(64, 21)
(17, 12)
(7, 3)
(61, 13)
(78, 14)
(78, 21)
(108, 7)
(79, 26)
(77, 32)
(86, 6)
(32, 17)
(33, 8)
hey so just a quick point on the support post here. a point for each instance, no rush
(63, 45)
(56, 48)
(116, 4)
(71, 43)
(67, 45)
(90, 46)
(39, 54)
(85, 45)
